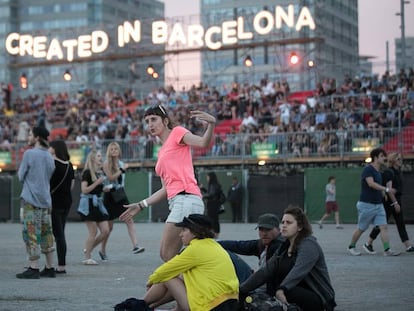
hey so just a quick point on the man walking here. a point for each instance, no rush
(35, 172)
(330, 203)
(391, 178)
(370, 207)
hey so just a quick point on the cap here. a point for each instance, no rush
(268, 221)
(195, 220)
(40, 132)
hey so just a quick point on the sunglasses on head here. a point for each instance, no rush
(157, 110)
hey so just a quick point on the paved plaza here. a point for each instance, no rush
(364, 283)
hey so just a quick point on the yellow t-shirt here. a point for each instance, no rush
(209, 274)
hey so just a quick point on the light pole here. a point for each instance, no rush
(402, 15)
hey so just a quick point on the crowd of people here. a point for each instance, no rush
(199, 272)
(333, 115)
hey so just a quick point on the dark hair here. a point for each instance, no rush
(212, 178)
(199, 225)
(376, 152)
(303, 223)
(330, 178)
(201, 232)
(159, 110)
(42, 133)
(61, 151)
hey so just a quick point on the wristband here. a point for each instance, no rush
(145, 202)
(139, 206)
(394, 203)
(387, 189)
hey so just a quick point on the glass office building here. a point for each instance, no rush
(329, 50)
(56, 29)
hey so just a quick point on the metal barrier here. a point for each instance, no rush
(295, 147)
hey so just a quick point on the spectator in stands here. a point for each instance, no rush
(179, 184)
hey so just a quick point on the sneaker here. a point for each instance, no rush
(369, 249)
(103, 256)
(30, 273)
(137, 249)
(89, 262)
(410, 249)
(60, 271)
(353, 251)
(390, 252)
(48, 272)
(320, 225)
(339, 227)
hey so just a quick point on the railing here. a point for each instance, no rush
(336, 145)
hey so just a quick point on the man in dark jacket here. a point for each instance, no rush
(264, 247)
(235, 198)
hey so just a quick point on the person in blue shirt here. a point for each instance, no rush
(370, 207)
(35, 171)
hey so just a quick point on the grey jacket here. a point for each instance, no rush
(309, 266)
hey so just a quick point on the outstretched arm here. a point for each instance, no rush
(134, 208)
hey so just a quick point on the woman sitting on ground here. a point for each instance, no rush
(298, 269)
(201, 277)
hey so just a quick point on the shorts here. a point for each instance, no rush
(183, 205)
(369, 213)
(331, 206)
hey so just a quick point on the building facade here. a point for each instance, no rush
(44, 39)
(281, 29)
(405, 61)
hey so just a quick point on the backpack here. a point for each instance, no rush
(261, 301)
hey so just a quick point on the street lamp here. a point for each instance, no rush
(248, 62)
(67, 76)
(402, 14)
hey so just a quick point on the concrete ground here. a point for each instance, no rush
(367, 282)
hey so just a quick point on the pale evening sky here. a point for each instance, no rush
(377, 24)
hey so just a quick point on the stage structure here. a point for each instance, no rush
(110, 46)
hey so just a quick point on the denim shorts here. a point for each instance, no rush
(183, 205)
(369, 213)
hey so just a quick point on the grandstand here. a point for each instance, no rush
(336, 123)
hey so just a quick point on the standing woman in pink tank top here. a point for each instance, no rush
(175, 168)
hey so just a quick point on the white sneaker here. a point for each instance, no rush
(353, 251)
(390, 252)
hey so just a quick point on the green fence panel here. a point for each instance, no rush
(137, 188)
(225, 178)
(347, 192)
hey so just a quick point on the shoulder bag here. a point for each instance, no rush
(61, 182)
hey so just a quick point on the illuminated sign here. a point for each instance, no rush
(5, 157)
(192, 36)
(364, 144)
(264, 150)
